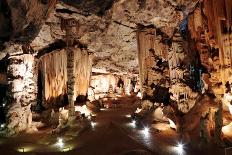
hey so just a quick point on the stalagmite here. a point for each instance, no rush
(218, 125)
(22, 89)
(71, 32)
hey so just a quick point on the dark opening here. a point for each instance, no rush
(39, 107)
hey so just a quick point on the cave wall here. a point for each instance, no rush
(210, 28)
(21, 20)
(165, 67)
(102, 82)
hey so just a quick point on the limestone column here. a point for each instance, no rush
(145, 43)
(218, 125)
(70, 26)
(22, 89)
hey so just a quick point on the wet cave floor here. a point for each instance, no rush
(113, 134)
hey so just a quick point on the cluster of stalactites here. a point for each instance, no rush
(53, 68)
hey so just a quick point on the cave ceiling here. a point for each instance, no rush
(107, 27)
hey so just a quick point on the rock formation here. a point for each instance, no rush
(178, 52)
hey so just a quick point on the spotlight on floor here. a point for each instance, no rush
(89, 117)
(25, 149)
(21, 149)
(2, 126)
(60, 143)
(145, 131)
(66, 149)
(93, 124)
(180, 149)
(133, 123)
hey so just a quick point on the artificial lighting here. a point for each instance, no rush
(180, 148)
(25, 149)
(60, 143)
(2, 125)
(145, 131)
(21, 149)
(4, 104)
(128, 116)
(89, 117)
(133, 123)
(93, 124)
(66, 149)
(103, 109)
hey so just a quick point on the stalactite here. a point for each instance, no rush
(82, 71)
(145, 42)
(53, 68)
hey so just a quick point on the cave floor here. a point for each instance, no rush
(113, 134)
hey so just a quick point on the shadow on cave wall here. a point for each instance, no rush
(98, 7)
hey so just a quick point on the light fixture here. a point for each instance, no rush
(133, 123)
(93, 124)
(21, 149)
(180, 149)
(60, 143)
(145, 131)
(2, 125)
(66, 149)
(128, 116)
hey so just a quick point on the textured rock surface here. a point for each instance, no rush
(22, 91)
(108, 28)
(21, 20)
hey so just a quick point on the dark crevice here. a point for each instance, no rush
(98, 7)
(6, 23)
(57, 45)
(123, 25)
(65, 11)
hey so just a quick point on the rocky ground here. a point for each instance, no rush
(112, 133)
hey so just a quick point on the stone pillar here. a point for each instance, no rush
(70, 26)
(71, 79)
(204, 130)
(218, 125)
(22, 90)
